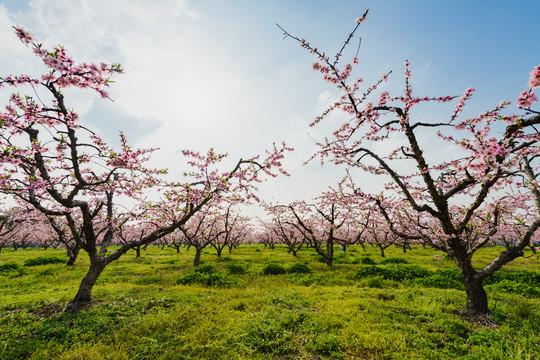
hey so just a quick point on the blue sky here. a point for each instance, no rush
(218, 73)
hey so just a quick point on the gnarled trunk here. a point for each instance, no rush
(84, 295)
(477, 302)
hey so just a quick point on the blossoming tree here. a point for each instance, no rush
(51, 161)
(449, 189)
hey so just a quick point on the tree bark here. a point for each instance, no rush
(84, 295)
(73, 253)
(382, 249)
(477, 302)
(197, 259)
(329, 259)
(330, 250)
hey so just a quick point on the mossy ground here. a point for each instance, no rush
(143, 311)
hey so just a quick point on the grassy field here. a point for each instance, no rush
(257, 303)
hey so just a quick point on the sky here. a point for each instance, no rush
(219, 74)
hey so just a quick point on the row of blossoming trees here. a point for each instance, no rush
(217, 226)
(481, 188)
(335, 219)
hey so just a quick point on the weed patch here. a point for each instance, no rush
(44, 260)
(299, 267)
(235, 269)
(273, 268)
(11, 270)
(394, 260)
(205, 269)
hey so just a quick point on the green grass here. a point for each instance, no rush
(160, 307)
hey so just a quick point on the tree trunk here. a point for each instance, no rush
(329, 259)
(477, 302)
(219, 249)
(329, 252)
(137, 251)
(382, 249)
(73, 253)
(84, 295)
(178, 249)
(197, 259)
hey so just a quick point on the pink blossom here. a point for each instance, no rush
(23, 35)
(407, 71)
(362, 18)
(534, 80)
(526, 99)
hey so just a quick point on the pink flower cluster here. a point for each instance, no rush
(64, 71)
(528, 97)
(534, 80)
(23, 35)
